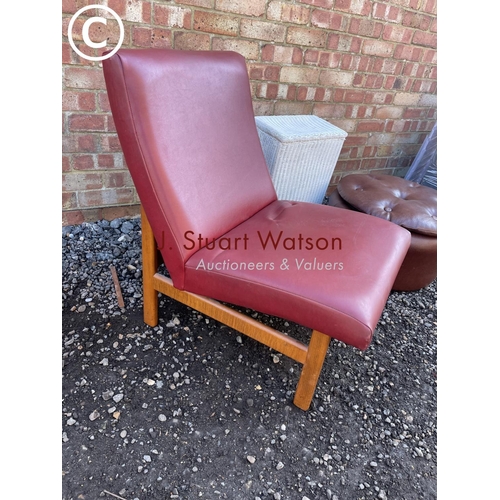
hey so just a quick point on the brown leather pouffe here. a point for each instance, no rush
(405, 203)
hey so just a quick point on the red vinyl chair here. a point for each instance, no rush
(209, 209)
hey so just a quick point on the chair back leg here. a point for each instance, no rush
(149, 268)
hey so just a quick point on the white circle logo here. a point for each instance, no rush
(85, 32)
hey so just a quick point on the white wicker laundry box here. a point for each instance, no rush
(301, 152)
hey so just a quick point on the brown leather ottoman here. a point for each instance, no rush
(405, 203)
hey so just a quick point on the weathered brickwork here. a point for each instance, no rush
(368, 67)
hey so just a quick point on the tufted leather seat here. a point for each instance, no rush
(407, 204)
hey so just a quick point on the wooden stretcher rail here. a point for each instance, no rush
(238, 321)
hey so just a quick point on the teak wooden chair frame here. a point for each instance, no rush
(311, 356)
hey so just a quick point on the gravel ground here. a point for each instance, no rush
(192, 409)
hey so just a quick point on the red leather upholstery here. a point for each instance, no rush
(186, 125)
(344, 302)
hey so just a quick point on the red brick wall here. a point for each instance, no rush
(368, 67)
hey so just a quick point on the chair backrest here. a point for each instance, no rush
(187, 129)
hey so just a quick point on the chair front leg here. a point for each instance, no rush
(316, 353)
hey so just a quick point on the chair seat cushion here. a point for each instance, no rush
(326, 268)
(392, 198)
